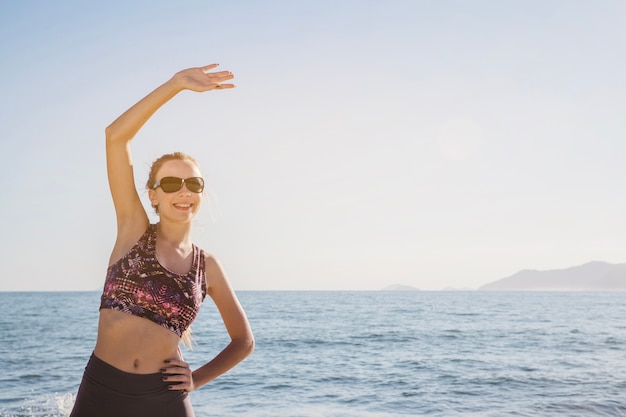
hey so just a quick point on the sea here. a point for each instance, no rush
(366, 354)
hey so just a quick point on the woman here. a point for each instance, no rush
(157, 279)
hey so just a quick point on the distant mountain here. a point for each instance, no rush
(400, 287)
(592, 276)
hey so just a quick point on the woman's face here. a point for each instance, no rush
(181, 205)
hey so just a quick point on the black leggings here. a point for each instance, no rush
(105, 391)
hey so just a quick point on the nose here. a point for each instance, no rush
(184, 189)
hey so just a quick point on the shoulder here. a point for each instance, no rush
(211, 263)
(216, 279)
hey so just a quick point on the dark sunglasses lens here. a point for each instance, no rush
(171, 184)
(195, 184)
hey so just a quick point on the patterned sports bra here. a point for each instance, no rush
(138, 284)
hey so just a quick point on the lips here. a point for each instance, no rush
(183, 206)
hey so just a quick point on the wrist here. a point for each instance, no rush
(175, 84)
(194, 381)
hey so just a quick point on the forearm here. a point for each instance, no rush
(128, 124)
(234, 353)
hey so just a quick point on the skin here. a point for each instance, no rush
(134, 344)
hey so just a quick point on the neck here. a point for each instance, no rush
(175, 234)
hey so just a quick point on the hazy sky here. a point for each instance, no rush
(429, 143)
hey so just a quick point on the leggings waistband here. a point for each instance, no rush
(107, 375)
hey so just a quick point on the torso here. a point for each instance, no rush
(134, 344)
(145, 306)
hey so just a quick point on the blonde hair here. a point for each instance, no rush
(187, 338)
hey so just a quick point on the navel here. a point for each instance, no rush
(136, 363)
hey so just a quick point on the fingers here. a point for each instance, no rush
(216, 79)
(224, 86)
(222, 75)
(175, 362)
(178, 375)
(209, 67)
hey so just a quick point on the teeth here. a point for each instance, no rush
(183, 205)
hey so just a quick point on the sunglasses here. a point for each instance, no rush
(173, 184)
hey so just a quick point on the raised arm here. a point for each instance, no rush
(132, 219)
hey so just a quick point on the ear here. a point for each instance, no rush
(153, 198)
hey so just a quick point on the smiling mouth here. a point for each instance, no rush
(183, 206)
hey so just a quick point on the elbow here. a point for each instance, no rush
(114, 133)
(246, 345)
(109, 134)
(249, 344)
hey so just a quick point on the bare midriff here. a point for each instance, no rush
(134, 344)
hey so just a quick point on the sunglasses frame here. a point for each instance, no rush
(181, 182)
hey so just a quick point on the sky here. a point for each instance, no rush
(437, 144)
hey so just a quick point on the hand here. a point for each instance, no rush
(199, 79)
(178, 375)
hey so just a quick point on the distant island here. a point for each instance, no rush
(400, 287)
(592, 276)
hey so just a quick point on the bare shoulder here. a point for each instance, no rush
(211, 261)
(215, 277)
